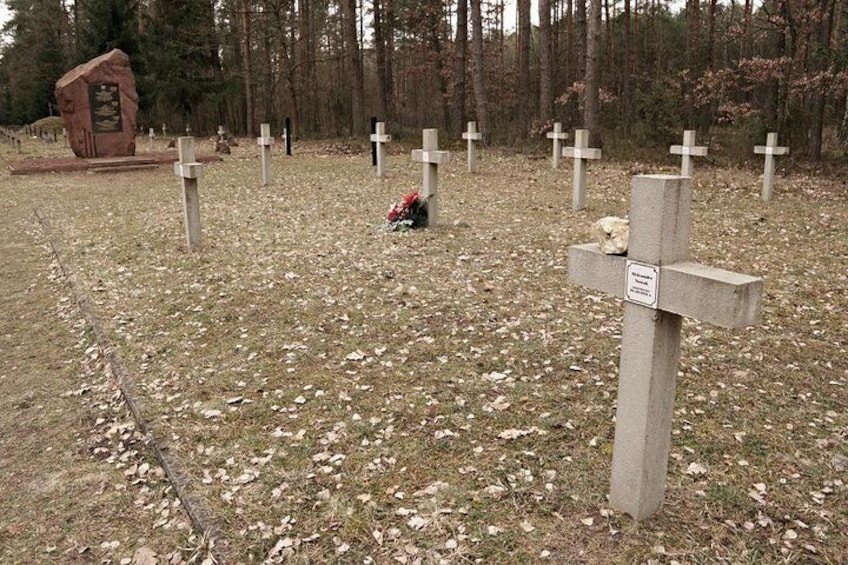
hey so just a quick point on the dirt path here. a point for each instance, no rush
(77, 482)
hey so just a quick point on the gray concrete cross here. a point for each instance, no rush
(580, 153)
(189, 170)
(770, 149)
(472, 135)
(265, 141)
(379, 138)
(687, 151)
(431, 157)
(659, 287)
(558, 136)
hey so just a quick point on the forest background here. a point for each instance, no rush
(640, 69)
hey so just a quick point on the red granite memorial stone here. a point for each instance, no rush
(98, 102)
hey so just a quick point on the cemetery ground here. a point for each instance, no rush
(335, 393)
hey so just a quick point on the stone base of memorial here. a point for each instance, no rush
(98, 102)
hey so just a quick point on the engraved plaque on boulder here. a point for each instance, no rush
(99, 103)
(105, 101)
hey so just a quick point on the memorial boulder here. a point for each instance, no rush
(98, 102)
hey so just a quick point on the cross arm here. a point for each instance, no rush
(188, 170)
(557, 135)
(380, 138)
(712, 295)
(581, 153)
(432, 157)
(694, 150)
(474, 136)
(589, 267)
(768, 150)
(265, 141)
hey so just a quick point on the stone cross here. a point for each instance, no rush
(152, 135)
(472, 135)
(688, 150)
(378, 138)
(659, 287)
(432, 158)
(164, 130)
(770, 149)
(580, 152)
(221, 133)
(558, 136)
(189, 170)
(265, 141)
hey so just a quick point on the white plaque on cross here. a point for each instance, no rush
(642, 283)
(660, 218)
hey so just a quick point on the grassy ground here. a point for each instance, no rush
(77, 480)
(343, 394)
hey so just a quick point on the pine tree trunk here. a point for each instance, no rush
(525, 108)
(591, 104)
(627, 72)
(461, 49)
(477, 70)
(354, 71)
(545, 78)
(380, 52)
(390, 50)
(247, 67)
(581, 31)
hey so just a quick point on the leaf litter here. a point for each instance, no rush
(377, 365)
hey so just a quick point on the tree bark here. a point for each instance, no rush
(354, 71)
(436, 53)
(581, 31)
(380, 52)
(247, 67)
(390, 50)
(524, 101)
(461, 49)
(591, 102)
(627, 72)
(545, 72)
(693, 59)
(477, 70)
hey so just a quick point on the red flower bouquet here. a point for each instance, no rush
(409, 213)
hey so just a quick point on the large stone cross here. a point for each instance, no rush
(687, 151)
(558, 136)
(432, 158)
(378, 138)
(265, 141)
(659, 287)
(189, 170)
(580, 152)
(472, 135)
(770, 149)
